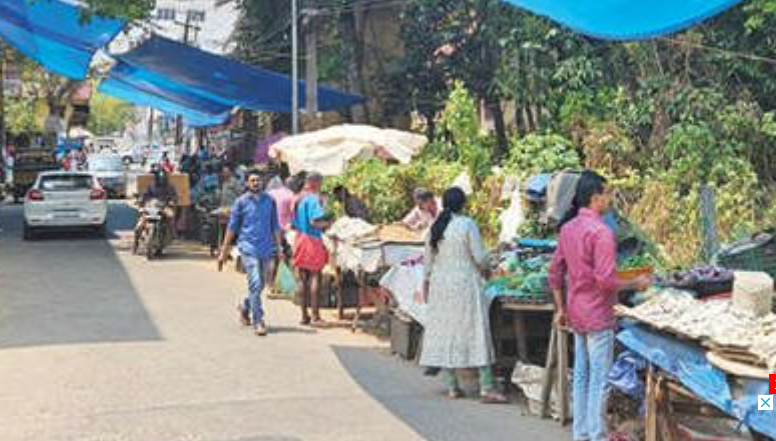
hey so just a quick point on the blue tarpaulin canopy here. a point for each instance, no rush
(626, 19)
(124, 84)
(175, 68)
(54, 34)
(688, 364)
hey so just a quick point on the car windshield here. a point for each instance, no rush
(65, 182)
(109, 163)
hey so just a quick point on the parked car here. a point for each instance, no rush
(64, 200)
(110, 172)
(132, 155)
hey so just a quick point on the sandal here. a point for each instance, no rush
(318, 323)
(245, 319)
(493, 398)
(305, 321)
(455, 394)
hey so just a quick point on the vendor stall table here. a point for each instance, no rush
(556, 369)
(363, 259)
(690, 374)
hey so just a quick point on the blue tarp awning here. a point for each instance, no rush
(54, 33)
(688, 364)
(175, 67)
(124, 84)
(627, 19)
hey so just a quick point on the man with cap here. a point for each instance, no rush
(426, 210)
(310, 254)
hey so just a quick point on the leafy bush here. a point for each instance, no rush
(535, 154)
(461, 139)
(387, 188)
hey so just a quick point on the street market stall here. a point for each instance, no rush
(715, 351)
(364, 249)
(328, 151)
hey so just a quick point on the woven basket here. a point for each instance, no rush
(753, 293)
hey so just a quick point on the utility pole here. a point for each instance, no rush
(179, 119)
(294, 69)
(150, 127)
(311, 64)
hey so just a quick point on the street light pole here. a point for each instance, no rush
(294, 70)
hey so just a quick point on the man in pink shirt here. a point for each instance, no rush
(284, 199)
(585, 263)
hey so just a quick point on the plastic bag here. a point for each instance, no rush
(285, 282)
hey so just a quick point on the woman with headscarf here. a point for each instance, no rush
(457, 330)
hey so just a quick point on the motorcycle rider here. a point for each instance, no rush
(161, 190)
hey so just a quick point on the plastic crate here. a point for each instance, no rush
(757, 253)
(405, 336)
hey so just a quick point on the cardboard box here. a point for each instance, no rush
(179, 180)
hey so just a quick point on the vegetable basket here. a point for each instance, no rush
(633, 273)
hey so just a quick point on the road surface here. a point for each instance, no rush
(99, 345)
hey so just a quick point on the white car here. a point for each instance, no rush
(65, 200)
(109, 171)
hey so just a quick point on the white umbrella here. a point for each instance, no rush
(328, 151)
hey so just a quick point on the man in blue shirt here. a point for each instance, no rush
(254, 221)
(310, 254)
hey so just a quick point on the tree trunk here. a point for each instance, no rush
(502, 144)
(352, 48)
(430, 127)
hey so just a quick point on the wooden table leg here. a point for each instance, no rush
(340, 289)
(361, 277)
(652, 406)
(518, 324)
(548, 378)
(563, 375)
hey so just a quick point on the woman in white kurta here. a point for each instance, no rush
(457, 333)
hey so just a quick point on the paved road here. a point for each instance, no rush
(100, 345)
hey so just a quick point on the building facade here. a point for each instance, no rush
(207, 24)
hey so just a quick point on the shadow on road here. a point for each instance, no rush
(67, 289)
(420, 403)
(266, 438)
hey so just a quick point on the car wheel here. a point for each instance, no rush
(127, 160)
(28, 233)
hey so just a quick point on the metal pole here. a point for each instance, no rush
(178, 118)
(150, 127)
(294, 70)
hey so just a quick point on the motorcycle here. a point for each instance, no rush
(156, 234)
(208, 215)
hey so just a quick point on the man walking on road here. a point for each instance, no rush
(310, 254)
(254, 221)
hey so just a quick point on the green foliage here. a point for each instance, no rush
(108, 116)
(126, 9)
(387, 188)
(20, 115)
(461, 138)
(535, 154)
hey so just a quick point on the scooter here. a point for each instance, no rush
(156, 234)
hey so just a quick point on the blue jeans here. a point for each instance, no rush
(593, 358)
(256, 271)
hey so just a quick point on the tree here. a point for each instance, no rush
(125, 9)
(108, 116)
